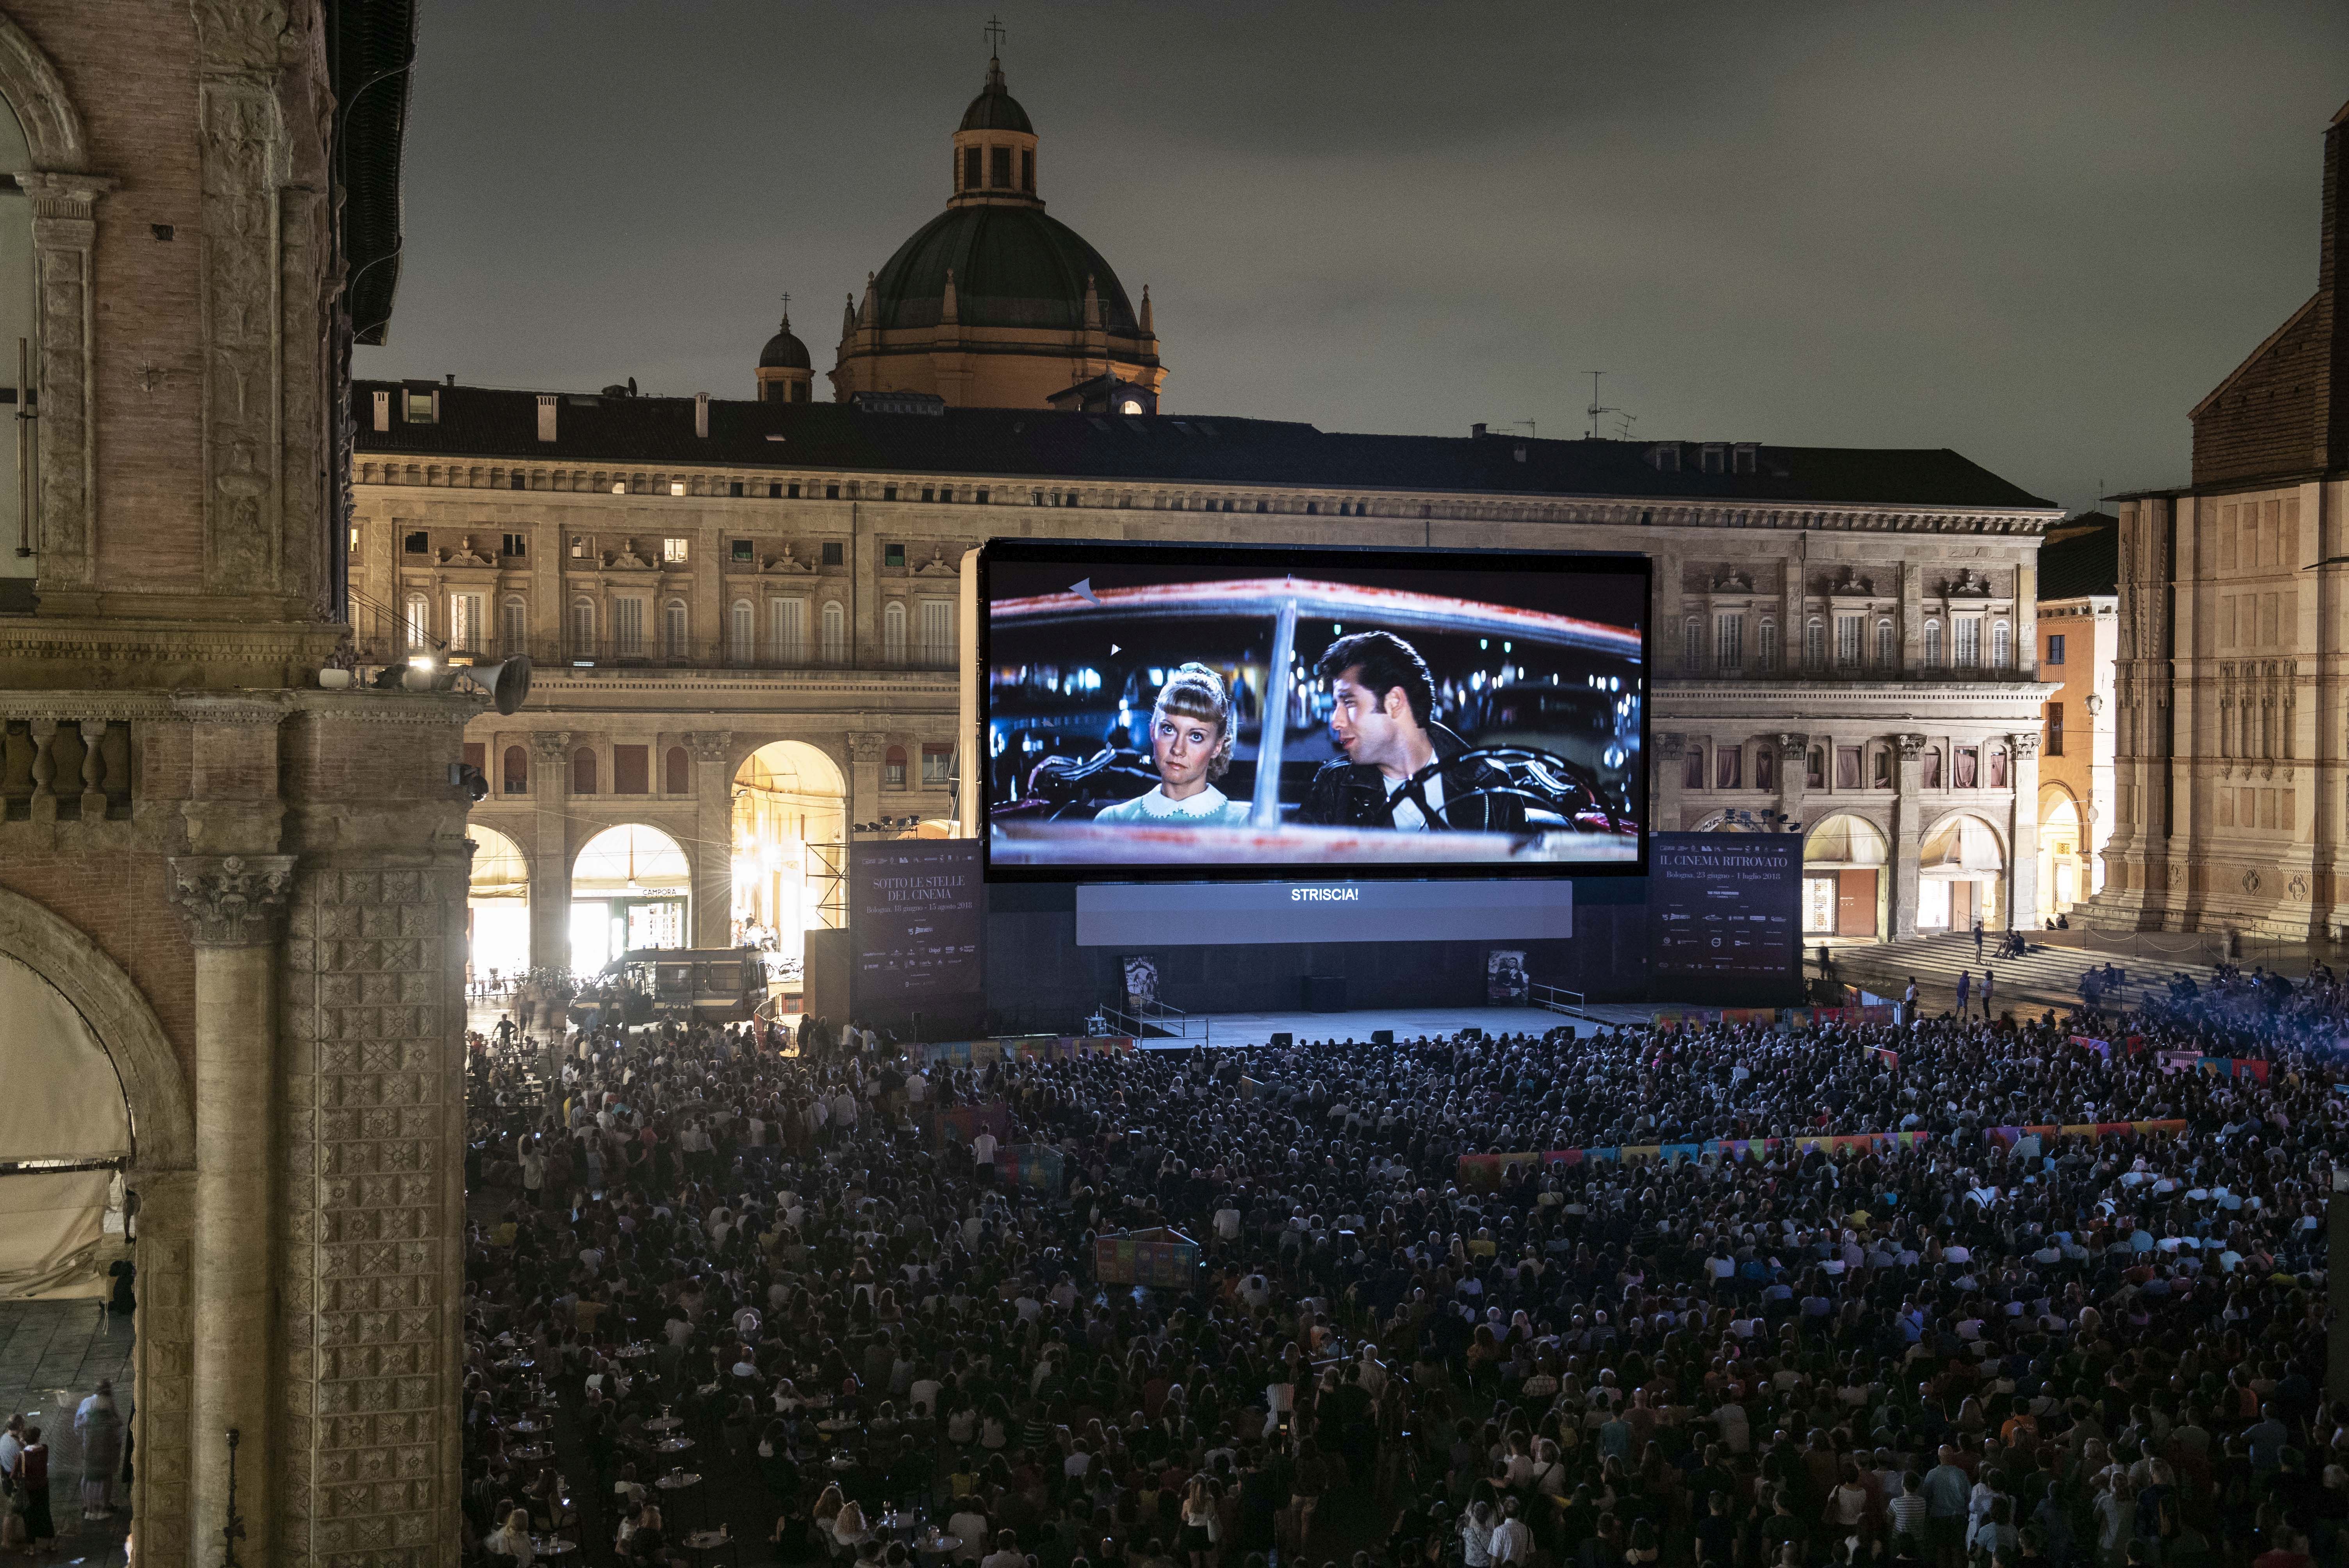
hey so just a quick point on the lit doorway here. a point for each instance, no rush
(631, 889)
(497, 908)
(791, 834)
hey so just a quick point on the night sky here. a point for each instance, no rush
(2037, 234)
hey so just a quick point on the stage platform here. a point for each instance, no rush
(1235, 1031)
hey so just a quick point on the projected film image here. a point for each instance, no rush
(1185, 711)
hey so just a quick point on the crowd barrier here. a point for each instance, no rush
(2217, 1067)
(1157, 1255)
(1483, 1171)
(961, 1123)
(1797, 1018)
(1016, 1048)
(1038, 1167)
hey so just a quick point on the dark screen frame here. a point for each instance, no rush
(1079, 553)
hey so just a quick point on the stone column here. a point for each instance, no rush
(713, 870)
(1794, 775)
(1908, 834)
(550, 850)
(2096, 824)
(231, 906)
(2022, 840)
(866, 748)
(1664, 785)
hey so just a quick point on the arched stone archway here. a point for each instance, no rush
(1847, 861)
(631, 888)
(2064, 871)
(52, 128)
(1961, 873)
(790, 843)
(497, 905)
(161, 1176)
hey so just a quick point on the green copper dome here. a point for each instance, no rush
(1013, 266)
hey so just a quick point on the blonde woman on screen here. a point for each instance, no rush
(1191, 745)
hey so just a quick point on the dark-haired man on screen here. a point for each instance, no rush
(1400, 770)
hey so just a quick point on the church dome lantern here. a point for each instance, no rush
(994, 304)
(786, 371)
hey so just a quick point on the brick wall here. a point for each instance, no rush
(130, 68)
(2264, 422)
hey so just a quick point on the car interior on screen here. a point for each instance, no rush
(1169, 707)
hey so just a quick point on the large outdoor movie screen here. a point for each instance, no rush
(1189, 712)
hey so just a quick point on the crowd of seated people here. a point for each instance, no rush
(711, 1265)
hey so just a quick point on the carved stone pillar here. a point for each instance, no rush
(713, 855)
(865, 749)
(2023, 871)
(1908, 834)
(65, 233)
(1664, 785)
(231, 906)
(550, 850)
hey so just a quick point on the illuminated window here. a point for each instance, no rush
(673, 551)
(418, 620)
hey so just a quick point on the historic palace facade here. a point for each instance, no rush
(2232, 757)
(742, 615)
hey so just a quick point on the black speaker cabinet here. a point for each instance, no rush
(1383, 1037)
(1282, 1040)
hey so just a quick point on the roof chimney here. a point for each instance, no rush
(702, 415)
(546, 402)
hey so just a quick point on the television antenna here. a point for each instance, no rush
(1597, 408)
